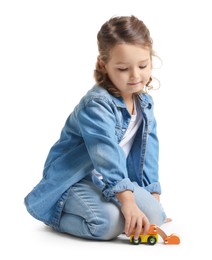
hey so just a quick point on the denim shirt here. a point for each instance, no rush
(90, 140)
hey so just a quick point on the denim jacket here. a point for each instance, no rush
(90, 140)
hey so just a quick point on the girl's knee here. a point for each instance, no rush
(111, 224)
(151, 207)
(156, 214)
(156, 217)
(106, 225)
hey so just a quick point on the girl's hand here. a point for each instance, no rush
(156, 195)
(135, 220)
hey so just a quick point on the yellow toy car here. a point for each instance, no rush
(151, 237)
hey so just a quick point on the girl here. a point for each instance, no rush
(100, 178)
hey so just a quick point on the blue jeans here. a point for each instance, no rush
(87, 214)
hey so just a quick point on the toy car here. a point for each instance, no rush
(151, 237)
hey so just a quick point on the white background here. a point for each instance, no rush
(47, 56)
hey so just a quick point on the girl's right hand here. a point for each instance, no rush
(136, 221)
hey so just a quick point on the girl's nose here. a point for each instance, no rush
(134, 74)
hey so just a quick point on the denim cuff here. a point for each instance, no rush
(125, 184)
(154, 187)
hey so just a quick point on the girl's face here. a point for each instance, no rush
(129, 68)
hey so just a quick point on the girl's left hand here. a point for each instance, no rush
(156, 195)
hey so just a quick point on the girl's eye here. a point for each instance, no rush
(142, 67)
(122, 69)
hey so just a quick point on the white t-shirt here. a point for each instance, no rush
(129, 136)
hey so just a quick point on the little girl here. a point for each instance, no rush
(100, 178)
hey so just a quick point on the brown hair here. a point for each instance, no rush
(119, 30)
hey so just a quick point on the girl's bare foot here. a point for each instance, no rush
(167, 220)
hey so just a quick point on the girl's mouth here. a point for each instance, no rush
(134, 83)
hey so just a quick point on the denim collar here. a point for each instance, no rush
(119, 102)
(144, 102)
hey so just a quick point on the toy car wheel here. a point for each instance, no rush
(136, 241)
(151, 240)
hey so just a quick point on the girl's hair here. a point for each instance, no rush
(119, 30)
